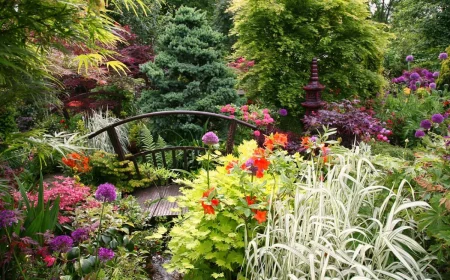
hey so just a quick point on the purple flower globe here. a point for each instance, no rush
(7, 218)
(433, 85)
(443, 56)
(105, 254)
(210, 138)
(425, 124)
(414, 76)
(80, 235)
(410, 58)
(62, 243)
(106, 192)
(283, 112)
(413, 87)
(435, 74)
(419, 133)
(437, 118)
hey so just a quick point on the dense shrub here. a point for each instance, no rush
(283, 36)
(353, 123)
(187, 73)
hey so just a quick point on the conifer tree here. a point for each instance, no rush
(187, 73)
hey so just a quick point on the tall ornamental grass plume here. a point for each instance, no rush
(341, 224)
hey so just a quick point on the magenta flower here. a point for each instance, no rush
(80, 235)
(105, 254)
(425, 124)
(433, 85)
(283, 112)
(435, 74)
(106, 192)
(414, 76)
(62, 243)
(210, 138)
(437, 118)
(419, 133)
(257, 133)
(409, 58)
(443, 56)
(7, 218)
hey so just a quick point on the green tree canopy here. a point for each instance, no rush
(422, 29)
(282, 36)
(30, 29)
(187, 73)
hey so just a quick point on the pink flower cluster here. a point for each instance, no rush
(242, 64)
(252, 114)
(383, 135)
(70, 192)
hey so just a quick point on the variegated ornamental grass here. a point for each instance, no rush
(341, 224)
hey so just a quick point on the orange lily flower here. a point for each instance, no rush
(260, 216)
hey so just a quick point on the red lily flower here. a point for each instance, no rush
(260, 216)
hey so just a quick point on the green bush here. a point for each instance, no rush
(283, 36)
(393, 151)
(187, 73)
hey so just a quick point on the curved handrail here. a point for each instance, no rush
(163, 113)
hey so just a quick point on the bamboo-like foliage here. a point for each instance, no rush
(100, 119)
(344, 226)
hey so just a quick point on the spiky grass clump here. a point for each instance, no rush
(341, 225)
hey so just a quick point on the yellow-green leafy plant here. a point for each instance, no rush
(229, 208)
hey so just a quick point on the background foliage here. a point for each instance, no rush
(283, 36)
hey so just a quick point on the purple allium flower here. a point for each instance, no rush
(62, 243)
(80, 234)
(401, 79)
(409, 58)
(105, 254)
(414, 76)
(106, 192)
(210, 138)
(443, 56)
(419, 133)
(412, 87)
(425, 124)
(437, 118)
(436, 74)
(433, 85)
(283, 112)
(8, 217)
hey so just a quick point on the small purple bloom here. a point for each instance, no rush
(283, 112)
(443, 56)
(433, 85)
(7, 218)
(313, 138)
(62, 243)
(410, 58)
(106, 192)
(80, 235)
(435, 74)
(437, 118)
(425, 124)
(401, 79)
(105, 254)
(419, 133)
(210, 138)
(414, 76)
(412, 87)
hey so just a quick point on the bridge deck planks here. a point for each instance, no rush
(162, 207)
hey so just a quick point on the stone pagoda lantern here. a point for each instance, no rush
(313, 90)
